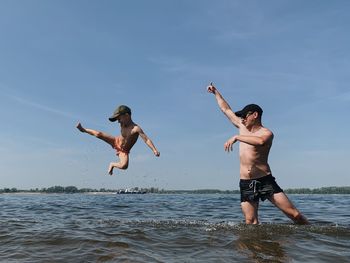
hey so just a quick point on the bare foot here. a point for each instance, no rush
(80, 128)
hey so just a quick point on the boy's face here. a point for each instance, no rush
(123, 118)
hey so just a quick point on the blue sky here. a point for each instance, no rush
(67, 61)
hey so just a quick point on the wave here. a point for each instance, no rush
(162, 240)
(315, 227)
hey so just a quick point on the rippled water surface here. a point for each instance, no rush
(169, 228)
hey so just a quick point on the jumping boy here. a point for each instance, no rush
(129, 133)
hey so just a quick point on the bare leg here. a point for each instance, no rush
(122, 164)
(250, 212)
(281, 201)
(98, 134)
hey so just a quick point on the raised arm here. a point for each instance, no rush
(148, 141)
(224, 106)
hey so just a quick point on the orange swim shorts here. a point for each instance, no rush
(118, 147)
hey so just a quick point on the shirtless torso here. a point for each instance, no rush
(254, 159)
(128, 136)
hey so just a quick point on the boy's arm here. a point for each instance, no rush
(148, 141)
(224, 106)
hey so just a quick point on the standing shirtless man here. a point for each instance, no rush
(129, 133)
(256, 180)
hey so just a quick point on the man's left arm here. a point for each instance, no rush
(249, 139)
(254, 140)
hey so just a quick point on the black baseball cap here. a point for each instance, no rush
(249, 108)
(120, 110)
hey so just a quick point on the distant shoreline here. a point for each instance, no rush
(137, 190)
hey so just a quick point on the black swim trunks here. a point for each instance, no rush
(263, 188)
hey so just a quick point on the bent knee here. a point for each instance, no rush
(124, 166)
(98, 134)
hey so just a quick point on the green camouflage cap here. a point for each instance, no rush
(120, 110)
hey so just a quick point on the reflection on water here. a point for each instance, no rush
(261, 244)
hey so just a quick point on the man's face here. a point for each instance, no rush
(249, 118)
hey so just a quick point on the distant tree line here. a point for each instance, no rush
(199, 191)
(73, 190)
(322, 190)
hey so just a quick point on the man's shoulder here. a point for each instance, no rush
(266, 131)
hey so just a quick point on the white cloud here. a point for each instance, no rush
(43, 107)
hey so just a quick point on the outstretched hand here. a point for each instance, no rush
(110, 169)
(156, 153)
(228, 146)
(211, 88)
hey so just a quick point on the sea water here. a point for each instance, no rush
(169, 228)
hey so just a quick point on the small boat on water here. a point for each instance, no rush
(131, 191)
